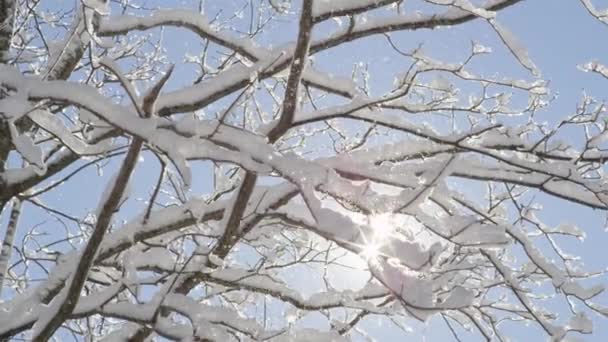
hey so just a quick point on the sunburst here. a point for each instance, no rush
(381, 227)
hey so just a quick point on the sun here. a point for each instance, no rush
(381, 228)
(370, 252)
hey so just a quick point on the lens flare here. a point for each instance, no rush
(382, 226)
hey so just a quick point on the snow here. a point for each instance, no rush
(479, 234)
(417, 292)
(14, 107)
(581, 323)
(53, 125)
(262, 58)
(323, 7)
(568, 229)
(515, 47)
(198, 312)
(124, 333)
(304, 335)
(215, 260)
(282, 6)
(601, 15)
(48, 312)
(464, 6)
(31, 152)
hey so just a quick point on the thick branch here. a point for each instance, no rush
(7, 19)
(7, 243)
(298, 64)
(88, 255)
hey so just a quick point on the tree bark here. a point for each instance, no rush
(7, 244)
(7, 19)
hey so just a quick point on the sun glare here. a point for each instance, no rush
(381, 227)
(370, 252)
